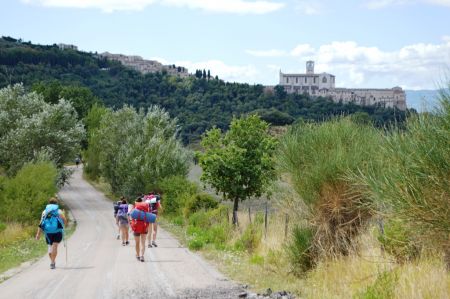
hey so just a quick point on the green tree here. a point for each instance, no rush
(239, 163)
(31, 128)
(138, 150)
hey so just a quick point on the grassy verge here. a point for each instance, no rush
(368, 273)
(17, 245)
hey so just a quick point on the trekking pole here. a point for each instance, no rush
(65, 246)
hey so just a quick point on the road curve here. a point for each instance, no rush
(99, 267)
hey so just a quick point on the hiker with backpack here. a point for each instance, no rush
(140, 228)
(154, 201)
(122, 221)
(116, 210)
(52, 224)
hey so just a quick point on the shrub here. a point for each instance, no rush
(250, 238)
(178, 220)
(413, 182)
(318, 158)
(176, 190)
(199, 201)
(196, 244)
(299, 250)
(219, 234)
(200, 219)
(398, 241)
(26, 195)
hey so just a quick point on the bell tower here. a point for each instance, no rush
(310, 67)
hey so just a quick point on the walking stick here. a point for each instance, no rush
(65, 246)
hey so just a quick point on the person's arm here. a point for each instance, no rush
(64, 219)
(38, 233)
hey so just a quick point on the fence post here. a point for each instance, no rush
(381, 229)
(249, 216)
(265, 222)
(286, 224)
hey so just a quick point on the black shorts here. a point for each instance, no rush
(53, 238)
(138, 234)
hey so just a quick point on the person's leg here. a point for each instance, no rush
(54, 252)
(155, 230)
(143, 239)
(149, 236)
(137, 240)
(122, 233)
(125, 229)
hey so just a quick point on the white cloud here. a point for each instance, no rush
(413, 66)
(266, 53)
(376, 4)
(231, 73)
(302, 50)
(218, 6)
(309, 7)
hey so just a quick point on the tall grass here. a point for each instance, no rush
(317, 159)
(413, 182)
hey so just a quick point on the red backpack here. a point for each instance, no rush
(139, 226)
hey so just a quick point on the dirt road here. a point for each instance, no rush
(99, 267)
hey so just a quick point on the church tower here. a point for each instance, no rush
(310, 67)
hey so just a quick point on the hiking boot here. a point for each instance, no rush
(52, 266)
(142, 259)
(149, 245)
(154, 244)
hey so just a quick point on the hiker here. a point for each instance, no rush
(122, 221)
(77, 161)
(154, 201)
(140, 229)
(116, 210)
(52, 224)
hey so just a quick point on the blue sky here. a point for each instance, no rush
(365, 43)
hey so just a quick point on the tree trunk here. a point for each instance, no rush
(235, 209)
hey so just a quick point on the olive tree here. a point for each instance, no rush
(239, 163)
(139, 149)
(31, 128)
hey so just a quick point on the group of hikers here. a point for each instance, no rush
(140, 217)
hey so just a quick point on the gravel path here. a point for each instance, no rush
(99, 267)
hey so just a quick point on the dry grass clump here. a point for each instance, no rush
(337, 219)
(317, 159)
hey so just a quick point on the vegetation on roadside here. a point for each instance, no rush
(239, 164)
(134, 150)
(36, 139)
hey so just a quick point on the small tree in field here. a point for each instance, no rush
(238, 163)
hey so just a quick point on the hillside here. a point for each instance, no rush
(198, 103)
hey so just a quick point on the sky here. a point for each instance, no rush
(364, 43)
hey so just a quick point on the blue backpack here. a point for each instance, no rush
(51, 222)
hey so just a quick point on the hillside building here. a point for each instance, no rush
(146, 66)
(323, 84)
